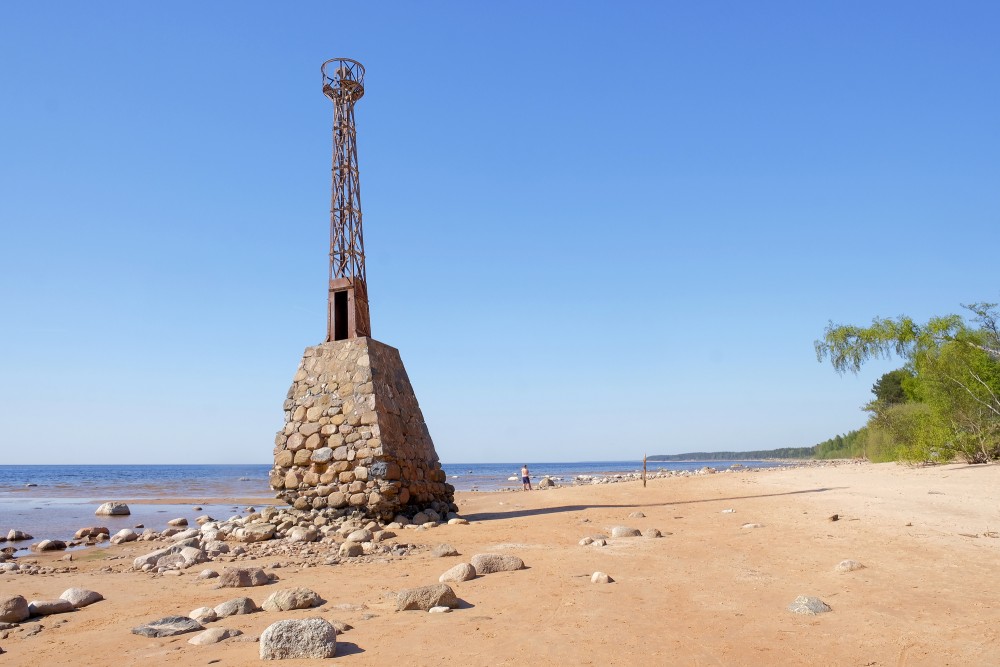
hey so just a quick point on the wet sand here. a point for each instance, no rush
(710, 592)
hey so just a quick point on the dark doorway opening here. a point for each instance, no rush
(340, 315)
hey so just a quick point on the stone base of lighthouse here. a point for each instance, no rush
(354, 436)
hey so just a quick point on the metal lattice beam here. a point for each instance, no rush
(343, 83)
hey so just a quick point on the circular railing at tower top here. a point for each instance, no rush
(343, 79)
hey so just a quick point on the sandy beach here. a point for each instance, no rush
(714, 590)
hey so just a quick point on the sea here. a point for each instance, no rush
(54, 501)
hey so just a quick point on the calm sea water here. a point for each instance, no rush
(54, 501)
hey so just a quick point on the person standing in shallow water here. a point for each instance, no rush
(525, 477)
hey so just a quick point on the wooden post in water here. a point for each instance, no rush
(644, 471)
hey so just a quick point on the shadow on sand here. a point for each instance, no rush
(512, 514)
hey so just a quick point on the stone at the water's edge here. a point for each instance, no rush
(291, 598)
(625, 531)
(81, 597)
(113, 509)
(425, 597)
(18, 536)
(214, 636)
(849, 566)
(91, 531)
(651, 532)
(461, 572)
(49, 607)
(243, 577)
(204, 615)
(545, 483)
(236, 607)
(124, 535)
(807, 604)
(444, 550)
(178, 522)
(490, 563)
(168, 626)
(50, 545)
(355, 437)
(307, 638)
(600, 578)
(13, 609)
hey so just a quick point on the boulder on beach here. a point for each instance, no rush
(243, 577)
(625, 531)
(50, 545)
(461, 572)
(600, 578)
(49, 607)
(13, 609)
(168, 626)
(236, 607)
(490, 563)
(808, 604)
(113, 509)
(81, 597)
(443, 550)
(306, 638)
(849, 566)
(291, 598)
(425, 597)
(214, 636)
(18, 536)
(90, 531)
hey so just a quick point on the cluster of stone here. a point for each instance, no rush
(354, 436)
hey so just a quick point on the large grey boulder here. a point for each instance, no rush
(80, 597)
(235, 607)
(490, 563)
(13, 609)
(168, 627)
(425, 597)
(49, 607)
(50, 545)
(113, 509)
(18, 535)
(461, 572)
(307, 638)
(243, 577)
(124, 535)
(291, 598)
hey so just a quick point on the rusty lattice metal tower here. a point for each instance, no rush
(347, 310)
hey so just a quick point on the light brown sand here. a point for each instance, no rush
(708, 593)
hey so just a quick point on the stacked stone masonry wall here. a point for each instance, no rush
(354, 436)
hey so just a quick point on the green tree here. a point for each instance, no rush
(951, 383)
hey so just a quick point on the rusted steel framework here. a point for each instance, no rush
(347, 313)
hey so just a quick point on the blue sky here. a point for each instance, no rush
(594, 230)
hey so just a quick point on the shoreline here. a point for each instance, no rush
(715, 588)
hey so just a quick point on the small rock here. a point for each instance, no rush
(443, 550)
(651, 532)
(235, 607)
(362, 535)
(600, 578)
(81, 597)
(291, 598)
(113, 509)
(308, 638)
(425, 597)
(490, 563)
(625, 531)
(204, 615)
(91, 531)
(351, 549)
(848, 566)
(50, 545)
(834, 517)
(585, 541)
(243, 577)
(750, 526)
(13, 609)
(637, 515)
(18, 536)
(728, 511)
(49, 607)
(600, 542)
(208, 574)
(124, 535)
(458, 521)
(214, 636)
(178, 522)
(168, 627)
(461, 572)
(439, 610)
(807, 604)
